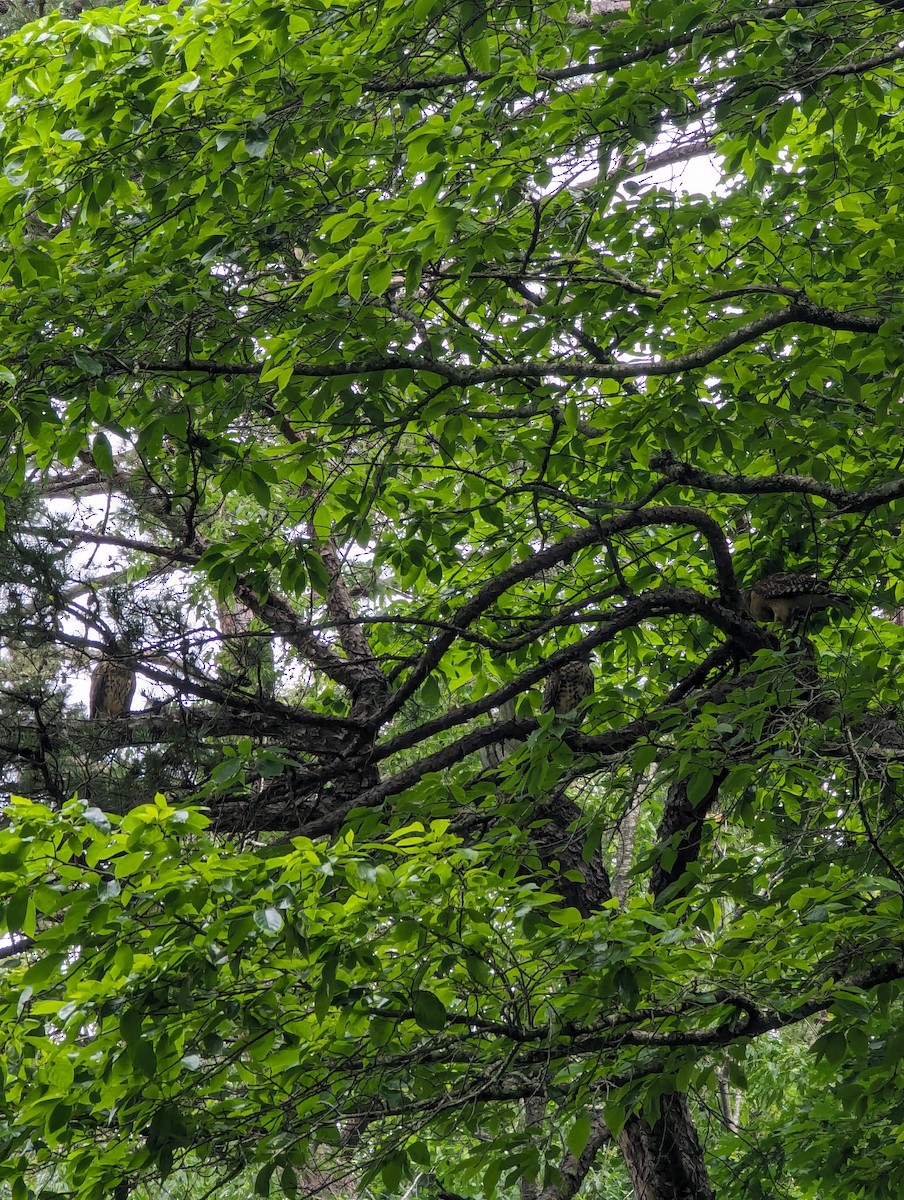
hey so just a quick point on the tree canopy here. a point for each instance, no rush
(366, 364)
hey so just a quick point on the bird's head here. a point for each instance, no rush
(116, 646)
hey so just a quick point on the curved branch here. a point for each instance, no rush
(663, 602)
(564, 551)
(676, 471)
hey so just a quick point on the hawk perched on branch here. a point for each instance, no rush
(789, 595)
(567, 687)
(112, 687)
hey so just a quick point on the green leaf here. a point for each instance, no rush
(781, 119)
(688, 15)
(832, 1046)
(378, 278)
(478, 969)
(17, 908)
(88, 363)
(262, 1180)
(269, 920)
(429, 1011)
(381, 1031)
(615, 1116)
(102, 454)
(579, 1135)
(257, 144)
(699, 786)
(97, 818)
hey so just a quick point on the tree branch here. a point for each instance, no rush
(755, 485)
(798, 312)
(598, 532)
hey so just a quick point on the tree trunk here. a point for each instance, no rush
(665, 1161)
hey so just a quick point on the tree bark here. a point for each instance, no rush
(627, 836)
(665, 1160)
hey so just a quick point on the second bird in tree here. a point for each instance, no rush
(787, 596)
(568, 686)
(112, 687)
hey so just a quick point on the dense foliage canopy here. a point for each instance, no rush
(364, 364)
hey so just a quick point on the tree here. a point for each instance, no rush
(362, 369)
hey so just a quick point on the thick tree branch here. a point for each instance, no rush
(602, 66)
(598, 533)
(755, 485)
(575, 1170)
(798, 312)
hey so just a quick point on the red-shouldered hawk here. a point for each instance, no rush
(787, 596)
(112, 688)
(567, 687)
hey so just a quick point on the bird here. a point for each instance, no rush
(569, 685)
(787, 596)
(112, 686)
